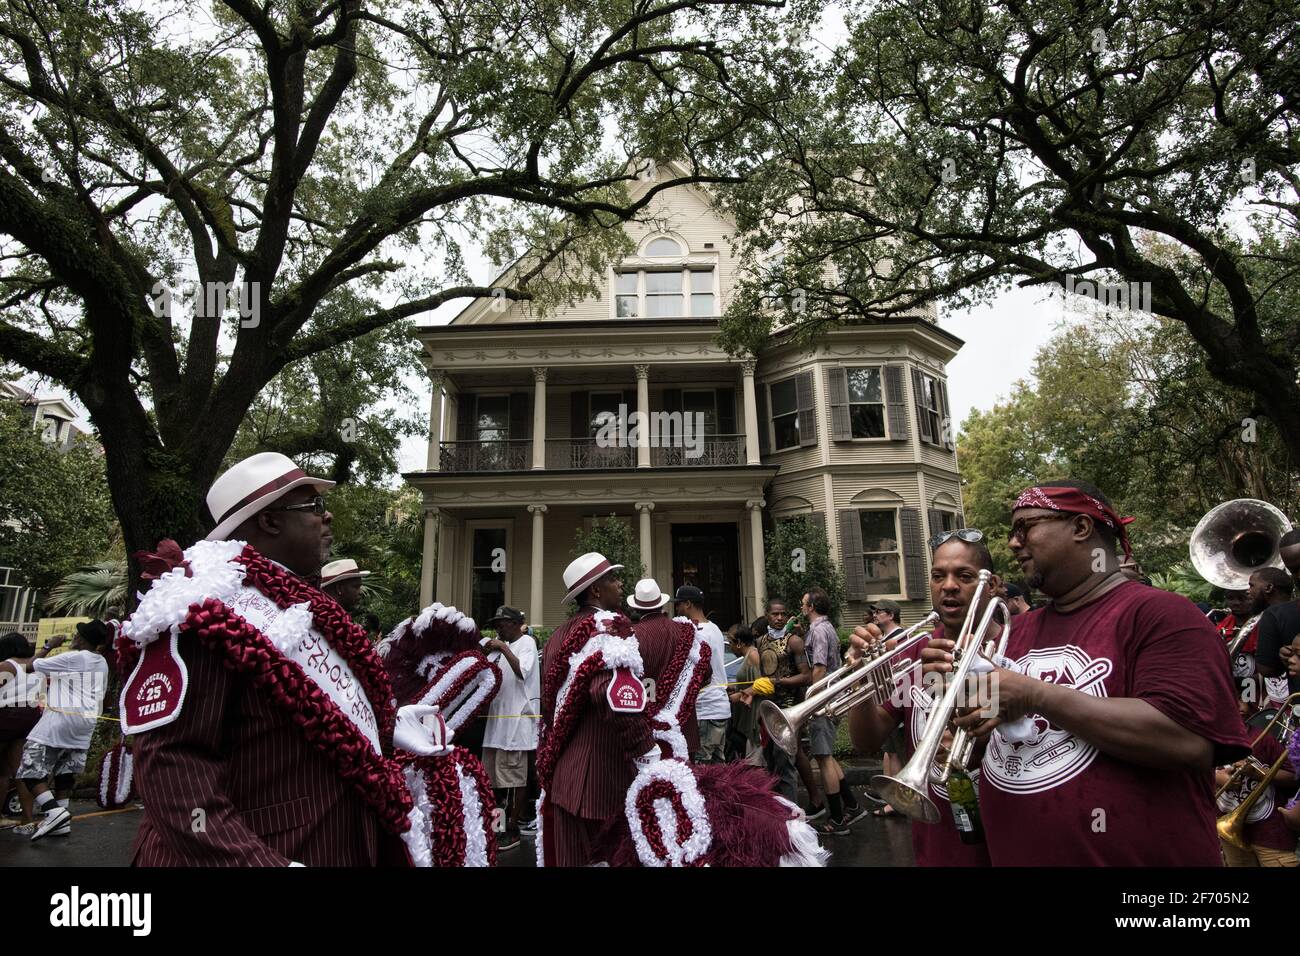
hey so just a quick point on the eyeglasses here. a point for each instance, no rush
(316, 506)
(1021, 527)
(970, 535)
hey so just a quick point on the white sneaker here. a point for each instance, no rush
(57, 819)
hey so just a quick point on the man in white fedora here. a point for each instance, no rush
(654, 634)
(589, 782)
(341, 580)
(260, 712)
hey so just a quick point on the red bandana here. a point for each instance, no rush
(1074, 501)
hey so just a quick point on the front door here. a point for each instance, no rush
(708, 557)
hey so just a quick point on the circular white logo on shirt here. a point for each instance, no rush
(922, 703)
(1050, 756)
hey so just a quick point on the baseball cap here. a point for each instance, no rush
(690, 593)
(507, 613)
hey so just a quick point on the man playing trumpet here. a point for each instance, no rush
(955, 563)
(1130, 698)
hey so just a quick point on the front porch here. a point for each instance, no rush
(508, 541)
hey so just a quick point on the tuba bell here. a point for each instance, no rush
(1236, 539)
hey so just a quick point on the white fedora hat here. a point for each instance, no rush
(343, 570)
(585, 570)
(647, 596)
(250, 486)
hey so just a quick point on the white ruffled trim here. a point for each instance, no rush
(805, 850)
(616, 651)
(290, 627)
(471, 809)
(428, 666)
(483, 684)
(124, 773)
(683, 781)
(444, 612)
(215, 574)
(670, 712)
(539, 845)
(419, 835)
(105, 774)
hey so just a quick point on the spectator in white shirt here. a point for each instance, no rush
(713, 706)
(511, 733)
(19, 712)
(56, 747)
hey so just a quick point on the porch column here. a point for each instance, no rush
(539, 418)
(433, 462)
(445, 579)
(647, 544)
(755, 506)
(427, 559)
(536, 583)
(751, 413)
(643, 433)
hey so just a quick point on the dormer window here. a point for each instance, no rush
(667, 282)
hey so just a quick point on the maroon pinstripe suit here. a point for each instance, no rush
(593, 772)
(267, 796)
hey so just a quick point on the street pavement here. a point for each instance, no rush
(103, 838)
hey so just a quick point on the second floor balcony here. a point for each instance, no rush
(588, 454)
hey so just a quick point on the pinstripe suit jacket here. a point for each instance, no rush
(266, 796)
(593, 772)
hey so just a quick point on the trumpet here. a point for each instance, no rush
(909, 791)
(874, 677)
(1231, 826)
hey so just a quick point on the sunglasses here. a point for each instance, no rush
(1022, 526)
(969, 535)
(316, 506)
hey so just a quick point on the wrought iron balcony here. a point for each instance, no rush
(711, 452)
(514, 455)
(587, 454)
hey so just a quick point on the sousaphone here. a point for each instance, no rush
(1236, 539)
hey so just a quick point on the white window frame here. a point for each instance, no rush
(884, 404)
(490, 524)
(936, 429)
(898, 537)
(686, 263)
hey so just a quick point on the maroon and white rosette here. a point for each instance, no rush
(452, 823)
(115, 777)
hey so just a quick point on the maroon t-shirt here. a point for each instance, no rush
(1055, 799)
(1264, 824)
(933, 844)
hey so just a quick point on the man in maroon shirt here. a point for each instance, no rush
(1129, 696)
(954, 574)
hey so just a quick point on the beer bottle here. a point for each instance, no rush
(965, 807)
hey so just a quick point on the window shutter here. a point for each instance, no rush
(521, 419)
(913, 555)
(855, 574)
(726, 411)
(837, 387)
(807, 409)
(764, 421)
(466, 417)
(948, 434)
(896, 403)
(935, 519)
(923, 420)
(579, 424)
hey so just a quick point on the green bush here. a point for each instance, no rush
(798, 559)
(613, 538)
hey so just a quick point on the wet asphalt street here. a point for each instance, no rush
(103, 838)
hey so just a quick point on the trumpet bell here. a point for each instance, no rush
(1236, 539)
(780, 726)
(906, 796)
